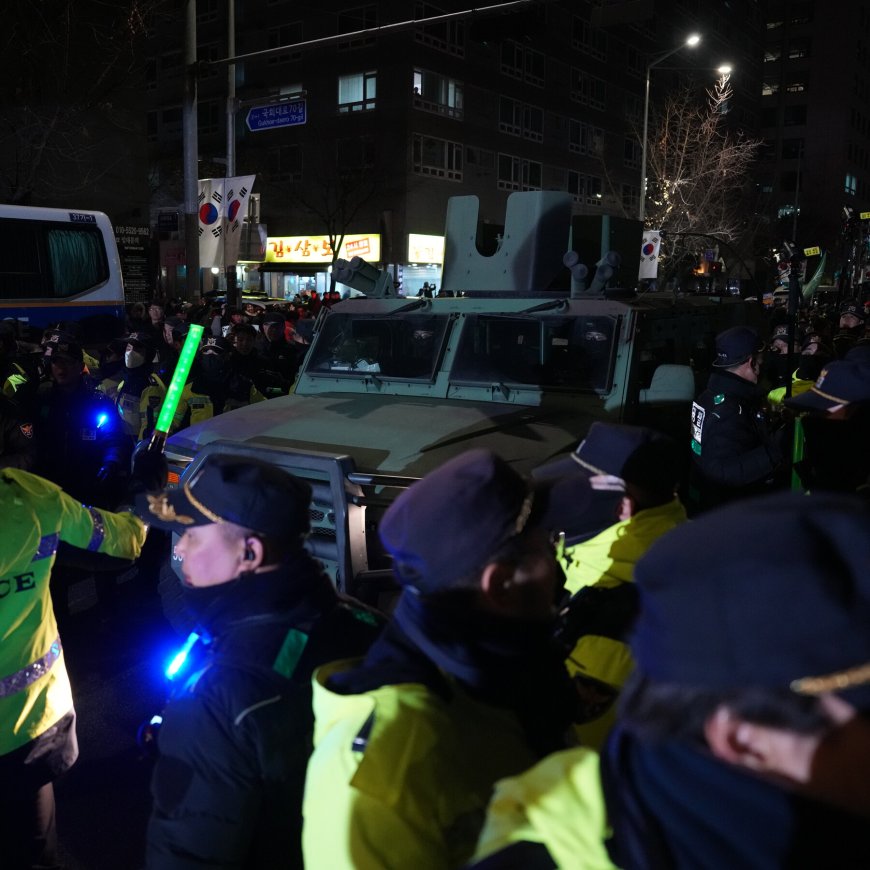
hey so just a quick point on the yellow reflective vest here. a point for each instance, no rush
(36, 515)
(608, 560)
(559, 803)
(776, 397)
(400, 777)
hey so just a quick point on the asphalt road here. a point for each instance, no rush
(115, 661)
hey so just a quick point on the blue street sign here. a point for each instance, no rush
(277, 115)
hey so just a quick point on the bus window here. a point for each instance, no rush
(59, 265)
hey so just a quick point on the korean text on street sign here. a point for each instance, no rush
(278, 115)
(812, 252)
(865, 215)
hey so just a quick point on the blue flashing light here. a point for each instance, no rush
(102, 420)
(178, 660)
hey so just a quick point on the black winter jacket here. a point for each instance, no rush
(237, 731)
(734, 451)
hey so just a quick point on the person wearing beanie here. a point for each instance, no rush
(463, 687)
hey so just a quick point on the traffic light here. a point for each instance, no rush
(364, 277)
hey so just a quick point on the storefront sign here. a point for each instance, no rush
(425, 249)
(316, 249)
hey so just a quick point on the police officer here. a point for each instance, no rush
(236, 733)
(462, 688)
(630, 473)
(140, 391)
(735, 451)
(216, 378)
(37, 720)
(279, 356)
(836, 426)
(81, 443)
(17, 447)
(853, 314)
(19, 373)
(741, 739)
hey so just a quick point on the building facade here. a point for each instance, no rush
(815, 171)
(398, 121)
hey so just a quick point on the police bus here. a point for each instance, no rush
(60, 265)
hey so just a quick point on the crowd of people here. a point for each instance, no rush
(595, 667)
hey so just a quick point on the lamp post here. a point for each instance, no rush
(691, 42)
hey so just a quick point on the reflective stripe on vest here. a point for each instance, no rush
(33, 672)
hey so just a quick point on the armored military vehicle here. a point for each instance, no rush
(520, 355)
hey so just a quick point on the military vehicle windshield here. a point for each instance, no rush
(392, 347)
(573, 353)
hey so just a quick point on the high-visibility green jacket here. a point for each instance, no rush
(558, 803)
(776, 396)
(606, 562)
(36, 515)
(400, 776)
(609, 558)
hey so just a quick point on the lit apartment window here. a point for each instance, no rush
(437, 157)
(437, 93)
(851, 185)
(772, 53)
(357, 92)
(768, 89)
(796, 87)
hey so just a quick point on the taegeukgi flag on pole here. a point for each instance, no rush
(211, 221)
(237, 193)
(649, 254)
(223, 205)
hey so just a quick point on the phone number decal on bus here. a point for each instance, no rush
(78, 218)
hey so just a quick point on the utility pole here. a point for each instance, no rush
(230, 268)
(191, 156)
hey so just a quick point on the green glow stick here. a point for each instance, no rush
(176, 385)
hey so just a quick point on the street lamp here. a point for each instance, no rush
(690, 42)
